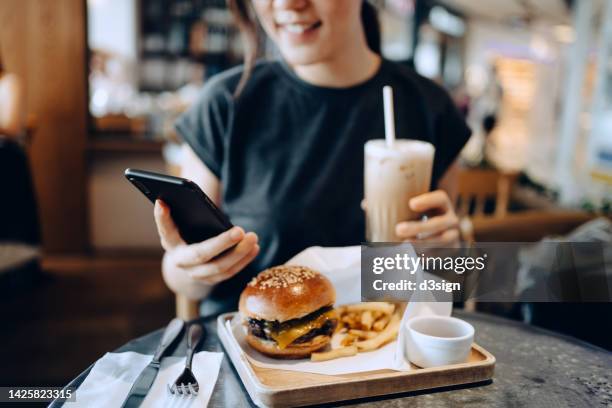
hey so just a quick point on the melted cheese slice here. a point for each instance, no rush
(285, 337)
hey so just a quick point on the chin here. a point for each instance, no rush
(288, 312)
(296, 59)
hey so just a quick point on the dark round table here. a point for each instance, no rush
(534, 368)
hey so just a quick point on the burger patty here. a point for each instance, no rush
(261, 328)
(326, 330)
(257, 329)
(278, 326)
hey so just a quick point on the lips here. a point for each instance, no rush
(299, 28)
(299, 33)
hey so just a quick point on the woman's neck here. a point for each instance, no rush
(351, 67)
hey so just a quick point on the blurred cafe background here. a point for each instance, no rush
(102, 81)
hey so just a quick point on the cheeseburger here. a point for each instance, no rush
(288, 311)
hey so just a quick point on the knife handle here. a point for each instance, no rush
(193, 338)
(174, 328)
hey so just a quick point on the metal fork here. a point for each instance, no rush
(186, 384)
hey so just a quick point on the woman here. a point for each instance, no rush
(279, 145)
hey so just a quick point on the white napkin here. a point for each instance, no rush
(422, 304)
(111, 378)
(342, 266)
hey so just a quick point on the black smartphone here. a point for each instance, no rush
(195, 215)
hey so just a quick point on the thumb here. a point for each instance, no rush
(168, 232)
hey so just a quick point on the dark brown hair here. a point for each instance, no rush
(246, 20)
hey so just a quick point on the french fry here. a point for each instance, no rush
(348, 320)
(384, 307)
(362, 334)
(333, 354)
(362, 327)
(381, 323)
(383, 337)
(367, 319)
(352, 324)
(348, 340)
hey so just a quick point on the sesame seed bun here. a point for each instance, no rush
(286, 292)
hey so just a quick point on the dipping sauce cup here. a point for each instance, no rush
(433, 341)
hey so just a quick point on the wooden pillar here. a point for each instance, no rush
(44, 42)
(572, 102)
(187, 309)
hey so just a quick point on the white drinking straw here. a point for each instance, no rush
(389, 116)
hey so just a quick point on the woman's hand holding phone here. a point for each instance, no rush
(191, 269)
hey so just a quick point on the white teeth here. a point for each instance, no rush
(295, 28)
(286, 17)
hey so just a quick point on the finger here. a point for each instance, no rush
(168, 232)
(240, 265)
(232, 270)
(432, 226)
(448, 237)
(219, 269)
(364, 204)
(433, 200)
(222, 263)
(202, 252)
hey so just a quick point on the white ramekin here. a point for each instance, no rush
(433, 341)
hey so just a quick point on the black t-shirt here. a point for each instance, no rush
(290, 157)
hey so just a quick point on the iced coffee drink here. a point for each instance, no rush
(393, 175)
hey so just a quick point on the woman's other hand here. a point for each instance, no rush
(441, 226)
(192, 269)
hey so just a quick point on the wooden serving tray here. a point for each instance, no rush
(281, 388)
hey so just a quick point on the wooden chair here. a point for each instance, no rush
(476, 186)
(528, 226)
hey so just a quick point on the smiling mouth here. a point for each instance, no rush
(300, 28)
